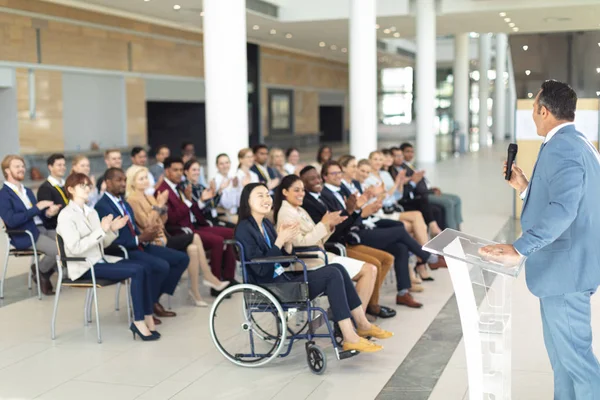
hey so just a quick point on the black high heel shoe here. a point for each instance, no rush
(429, 278)
(134, 329)
(156, 333)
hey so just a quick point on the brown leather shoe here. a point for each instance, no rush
(408, 300)
(156, 320)
(45, 284)
(440, 264)
(161, 312)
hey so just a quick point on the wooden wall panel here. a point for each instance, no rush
(17, 39)
(328, 78)
(137, 129)
(306, 112)
(264, 110)
(164, 57)
(44, 133)
(279, 71)
(76, 46)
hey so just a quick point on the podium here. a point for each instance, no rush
(486, 328)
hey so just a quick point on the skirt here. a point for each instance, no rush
(180, 242)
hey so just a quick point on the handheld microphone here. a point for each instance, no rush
(510, 159)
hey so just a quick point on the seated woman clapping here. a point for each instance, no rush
(259, 239)
(288, 210)
(84, 235)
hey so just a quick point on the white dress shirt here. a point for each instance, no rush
(55, 182)
(123, 211)
(22, 193)
(336, 193)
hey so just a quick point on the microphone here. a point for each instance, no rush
(510, 159)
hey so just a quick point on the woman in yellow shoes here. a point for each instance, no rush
(259, 239)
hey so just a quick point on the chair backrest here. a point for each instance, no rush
(4, 238)
(60, 245)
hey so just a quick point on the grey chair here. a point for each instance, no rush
(8, 252)
(90, 284)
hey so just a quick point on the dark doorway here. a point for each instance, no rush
(331, 123)
(173, 123)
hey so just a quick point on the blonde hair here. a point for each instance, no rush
(78, 158)
(364, 162)
(274, 151)
(241, 154)
(374, 153)
(132, 174)
(7, 160)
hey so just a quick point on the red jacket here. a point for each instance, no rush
(179, 212)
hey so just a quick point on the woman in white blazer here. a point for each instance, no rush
(287, 209)
(84, 235)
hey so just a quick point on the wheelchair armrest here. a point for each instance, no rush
(271, 260)
(306, 249)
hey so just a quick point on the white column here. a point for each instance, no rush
(512, 98)
(225, 79)
(484, 87)
(363, 78)
(425, 85)
(461, 82)
(500, 88)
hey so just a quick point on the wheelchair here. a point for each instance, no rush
(273, 317)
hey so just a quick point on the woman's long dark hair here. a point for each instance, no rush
(286, 183)
(244, 211)
(320, 153)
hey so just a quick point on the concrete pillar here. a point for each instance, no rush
(500, 88)
(461, 83)
(484, 87)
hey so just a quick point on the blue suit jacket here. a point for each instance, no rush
(106, 206)
(561, 217)
(16, 216)
(261, 177)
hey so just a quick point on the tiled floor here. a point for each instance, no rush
(184, 364)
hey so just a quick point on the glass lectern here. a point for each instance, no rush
(486, 328)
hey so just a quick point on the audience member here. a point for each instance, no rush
(20, 211)
(259, 238)
(261, 168)
(277, 163)
(184, 213)
(149, 211)
(451, 203)
(229, 188)
(324, 154)
(81, 165)
(207, 198)
(388, 159)
(381, 179)
(85, 236)
(158, 170)
(245, 174)
(53, 188)
(139, 158)
(293, 165)
(165, 265)
(188, 151)
(287, 210)
(112, 159)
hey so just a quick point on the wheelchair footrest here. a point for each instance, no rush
(342, 355)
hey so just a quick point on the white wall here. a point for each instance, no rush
(175, 90)
(9, 125)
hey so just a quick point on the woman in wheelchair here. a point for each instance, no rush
(259, 239)
(85, 236)
(287, 209)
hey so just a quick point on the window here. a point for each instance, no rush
(396, 96)
(281, 114)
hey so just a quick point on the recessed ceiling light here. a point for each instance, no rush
(397, 34)
(597, 93)
(377, 26)
(202, 13)
(525, 48)
(527, 72)
(322, 44)
(503, 14)
(506, 19)
(393, 28)
(344, 50)
(386, 31)
(530, 95)
(273, 31)
(176, 7)
(598, 44)
(146, 1)
(515, 29)
(333, 47)
(288, 35)
(256, 27)
(512, 24)
(598, 70)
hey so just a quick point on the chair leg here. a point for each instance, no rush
(37, 274)
(29, 274)
(128, 297)
(117, 296)
(88, 293)
(4, 272)
(97, 314)
(89, 306)
(55, 311)
(169, 302)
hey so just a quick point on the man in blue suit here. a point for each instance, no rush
(20, 211)
(166, 265)
(560, 223)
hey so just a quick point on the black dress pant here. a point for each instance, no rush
(431, 212)
(333, 281)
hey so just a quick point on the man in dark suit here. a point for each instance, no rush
(53, 188)
(261, 167)
(184, 212)
(165, 265)
(21, 212)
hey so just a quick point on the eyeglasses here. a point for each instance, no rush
(85, 186)
(335, 173)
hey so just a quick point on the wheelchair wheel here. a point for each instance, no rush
(249, 329)
(316, 359)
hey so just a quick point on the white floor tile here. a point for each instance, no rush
(75, 390)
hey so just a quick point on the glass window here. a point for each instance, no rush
(396, 96)
(281, 111)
